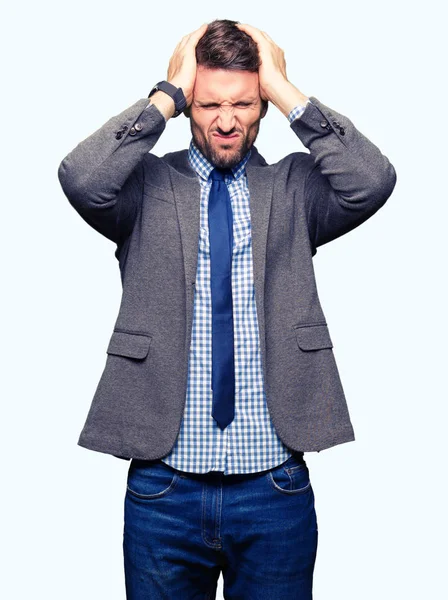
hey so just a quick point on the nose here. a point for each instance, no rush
(226, 120)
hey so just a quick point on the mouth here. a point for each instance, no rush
(226, 137)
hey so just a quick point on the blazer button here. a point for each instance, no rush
(132, 131)
(118, 135)
(138, 126)
(323, 123)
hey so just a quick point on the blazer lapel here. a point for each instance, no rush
(187, 191)
(260, 180)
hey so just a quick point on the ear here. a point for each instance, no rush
(264, 110)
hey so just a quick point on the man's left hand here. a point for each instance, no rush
(273, 82)
(272, 71)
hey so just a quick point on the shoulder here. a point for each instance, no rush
(294, 168)
(157, 169)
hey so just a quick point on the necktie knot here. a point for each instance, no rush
(219, 174)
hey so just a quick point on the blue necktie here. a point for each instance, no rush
(220, 224)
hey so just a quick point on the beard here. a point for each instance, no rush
(221, 154)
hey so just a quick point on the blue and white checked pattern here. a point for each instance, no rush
(250, 443)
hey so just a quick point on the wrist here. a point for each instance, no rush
(187, 92)
(285, 96)
(164, 103)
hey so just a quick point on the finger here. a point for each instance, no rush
(197, 33)
(182, 42)
(194, 34)
(257, 35)
(245, 25)
(193, 37)
(267, 36)
(248, 28)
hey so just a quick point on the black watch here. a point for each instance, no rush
(176, 94)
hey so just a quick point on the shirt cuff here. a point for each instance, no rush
(297, 111)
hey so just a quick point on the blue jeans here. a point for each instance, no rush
(181, 530)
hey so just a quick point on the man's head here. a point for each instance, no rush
(227, 108)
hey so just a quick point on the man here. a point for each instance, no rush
(220, 371)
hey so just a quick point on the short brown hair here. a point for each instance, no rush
(224, 46)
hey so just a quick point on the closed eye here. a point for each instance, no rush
(240, 104)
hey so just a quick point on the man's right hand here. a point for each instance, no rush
(182, 65)
(181, 71)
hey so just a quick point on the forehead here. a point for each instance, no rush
(224, 84)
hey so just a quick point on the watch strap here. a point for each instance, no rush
(175, 93)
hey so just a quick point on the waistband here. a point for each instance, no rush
(295, 458)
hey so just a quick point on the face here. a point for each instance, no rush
(225, 114)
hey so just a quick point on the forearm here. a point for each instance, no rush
(102, 176)
(100, 164)
(355, 167)
(349, 178)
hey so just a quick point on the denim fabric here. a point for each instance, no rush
(182, 529)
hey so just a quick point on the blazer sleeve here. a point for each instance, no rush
(349, 180)
(103, 176)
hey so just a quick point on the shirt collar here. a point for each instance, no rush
(204, 167)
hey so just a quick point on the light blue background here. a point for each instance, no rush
(381, 500)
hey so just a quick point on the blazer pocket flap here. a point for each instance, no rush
(133, 345)
(313, 337)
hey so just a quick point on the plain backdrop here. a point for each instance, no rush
(380, 500)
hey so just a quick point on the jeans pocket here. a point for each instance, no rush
(291, 477)
(149, 480)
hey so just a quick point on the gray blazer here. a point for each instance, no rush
(140, 201)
